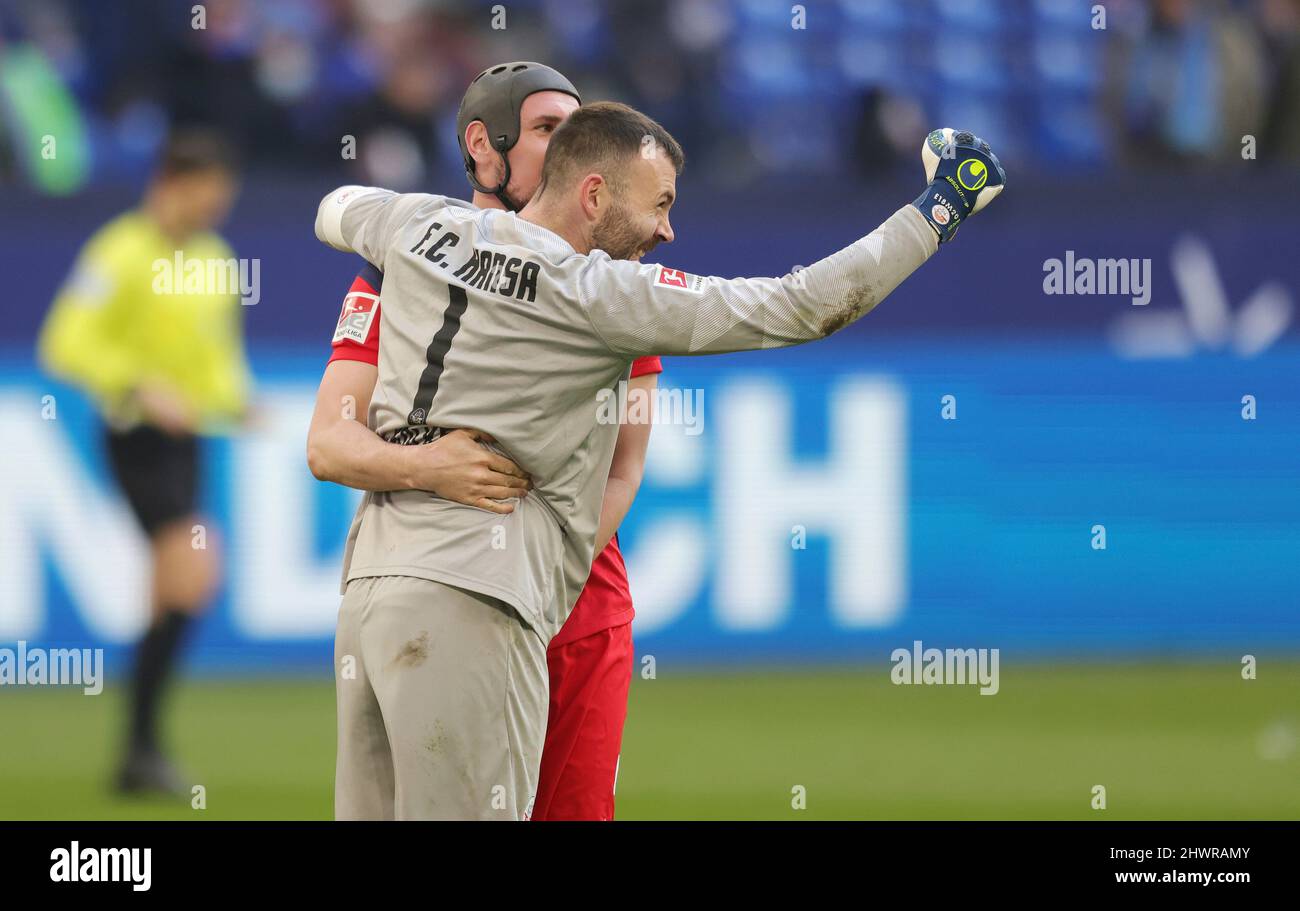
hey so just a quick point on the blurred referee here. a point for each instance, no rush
(164, 363)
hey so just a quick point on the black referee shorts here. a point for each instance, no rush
(158, 473)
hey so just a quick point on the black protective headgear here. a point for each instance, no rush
(496, 97)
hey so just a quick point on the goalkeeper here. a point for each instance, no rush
(479, 305)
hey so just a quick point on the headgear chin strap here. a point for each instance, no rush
(498, 191)
(496, 97)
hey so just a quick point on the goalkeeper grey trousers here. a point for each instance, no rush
(442, 699)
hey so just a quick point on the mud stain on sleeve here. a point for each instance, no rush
(854, 303)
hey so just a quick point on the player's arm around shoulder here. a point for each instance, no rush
(367, 220)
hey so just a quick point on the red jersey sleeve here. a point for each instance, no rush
(356, 338)
(646, 365)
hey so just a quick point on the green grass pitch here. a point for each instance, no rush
(1168, 741)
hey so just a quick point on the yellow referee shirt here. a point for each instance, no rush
(136, 309)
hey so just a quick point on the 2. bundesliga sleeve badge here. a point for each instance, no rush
(358, 313)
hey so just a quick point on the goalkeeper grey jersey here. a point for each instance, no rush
(494, 323)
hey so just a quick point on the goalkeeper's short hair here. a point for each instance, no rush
(604, 137)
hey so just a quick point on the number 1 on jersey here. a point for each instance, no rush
(436, 354)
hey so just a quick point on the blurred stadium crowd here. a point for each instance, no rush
(748, 91)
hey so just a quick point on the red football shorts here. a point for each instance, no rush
(590, 679)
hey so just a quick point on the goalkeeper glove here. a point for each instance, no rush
(964, 177)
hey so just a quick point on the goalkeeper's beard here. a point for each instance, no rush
(615, 235)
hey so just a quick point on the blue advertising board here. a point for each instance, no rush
(830, 502)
